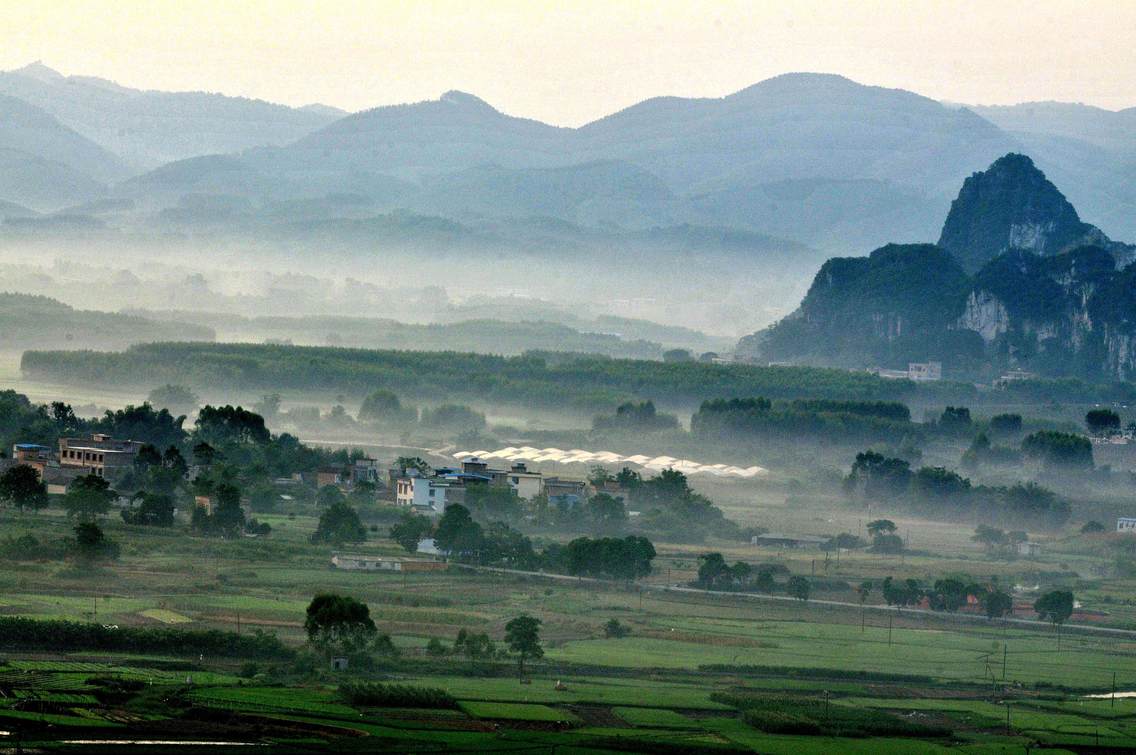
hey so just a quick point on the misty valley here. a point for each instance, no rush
(797, 420)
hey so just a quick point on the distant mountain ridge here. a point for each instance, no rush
(1049, 293)
(815, 159)
(148, 128)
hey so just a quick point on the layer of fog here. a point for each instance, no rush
(716, 294)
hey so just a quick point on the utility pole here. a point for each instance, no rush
(238, 623)
(890, 617)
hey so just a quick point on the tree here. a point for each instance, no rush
(88, 498)
(1059, 450)
(1055, 606)
(329, 495)
(615, 630)
(204, 454)
(989, 537)
(864, 590)
(143, 423)
(22, 487)
(1006, 424)
(339, 524)
(383, 406)
(949, 594)
(522, 634)
(609, 557)
(798, 587)
(408, 463)
(764, 580)
(474, 646)
(228, 518)
(218, 425)
(339, 623)
(91, 544)
(599, 476)
(410, 530)
(955, 419)
(940, 483)
(1102, 422)
(1092, 527)
(713, 572)
(457, 534)
(997, 604)
(876, 476)
(678, 355)
(492, 501)
(887, 544)
(177, 398)
(153, 509)
(880, 527)
(606, 512)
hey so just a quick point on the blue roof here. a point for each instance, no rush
(468, 476)
(30, 446)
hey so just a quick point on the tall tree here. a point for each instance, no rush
(457, 534)
(523, 637)
(798, 587)
(410, 530)
(339, 623)
(22, 487)
(88, 498)
(339, 524)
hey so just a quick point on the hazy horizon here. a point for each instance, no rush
(568, 64)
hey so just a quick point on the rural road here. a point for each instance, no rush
(894, 610)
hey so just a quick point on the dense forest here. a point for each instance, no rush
(543, 378)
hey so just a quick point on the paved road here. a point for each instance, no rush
(894, 610)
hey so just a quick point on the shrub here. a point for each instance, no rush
(19, 632)
(382, 695)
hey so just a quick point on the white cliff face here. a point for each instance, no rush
(1030, 236)
(985, 315)
(887, 325)
(1121, 349)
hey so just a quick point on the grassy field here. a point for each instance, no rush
(673, 684)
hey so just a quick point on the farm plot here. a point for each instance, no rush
(518, 712)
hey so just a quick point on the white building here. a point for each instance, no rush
(925, 371)
(1126, 524)
(425, 494)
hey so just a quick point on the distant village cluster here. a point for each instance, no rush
(412, 485)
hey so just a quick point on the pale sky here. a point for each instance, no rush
(570, 62)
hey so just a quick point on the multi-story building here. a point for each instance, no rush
(101, 454)
(428, 495)
(527, 484)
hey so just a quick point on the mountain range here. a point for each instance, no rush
(1017, 280)
(813, 159)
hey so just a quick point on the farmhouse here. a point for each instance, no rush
(101, 454)
(788, 541)
(1126, 524)
(351, 562)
